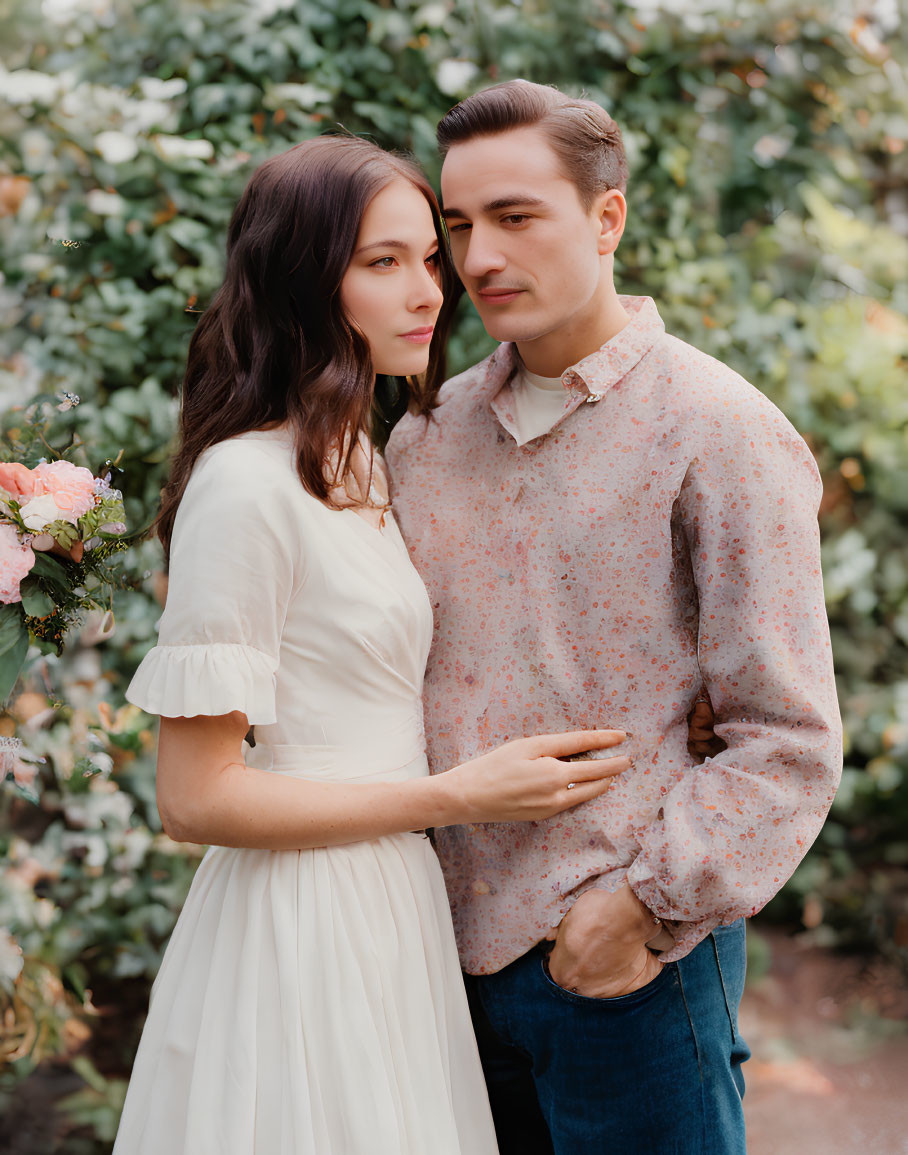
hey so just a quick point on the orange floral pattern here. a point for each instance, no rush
(661, 537)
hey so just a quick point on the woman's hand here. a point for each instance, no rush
(523, 781)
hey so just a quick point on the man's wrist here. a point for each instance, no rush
(648, 924)
(618, 912)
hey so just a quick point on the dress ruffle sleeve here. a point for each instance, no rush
(234, 566)
(184, 681)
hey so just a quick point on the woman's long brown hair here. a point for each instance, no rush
(274, 346)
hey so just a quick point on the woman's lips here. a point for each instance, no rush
(419, 336)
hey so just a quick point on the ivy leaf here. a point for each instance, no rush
(13, 648)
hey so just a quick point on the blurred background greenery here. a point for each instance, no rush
(768, 219)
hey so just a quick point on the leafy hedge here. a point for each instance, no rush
(768, 219)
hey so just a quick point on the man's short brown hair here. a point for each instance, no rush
(584, 137)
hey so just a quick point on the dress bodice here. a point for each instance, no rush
(309, 619)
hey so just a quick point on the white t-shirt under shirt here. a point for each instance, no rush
(538, 403)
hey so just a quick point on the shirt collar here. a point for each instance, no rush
(592, 377)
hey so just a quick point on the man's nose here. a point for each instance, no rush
(482, 255)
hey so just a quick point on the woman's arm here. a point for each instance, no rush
(206, 793)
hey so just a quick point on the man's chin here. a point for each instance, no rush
(502, 328)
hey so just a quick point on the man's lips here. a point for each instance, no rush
(419, 336)
(498, 296)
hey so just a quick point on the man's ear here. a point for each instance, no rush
(610, 209)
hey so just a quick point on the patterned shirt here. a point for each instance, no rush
(660, 538)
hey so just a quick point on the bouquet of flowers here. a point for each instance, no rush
(59, 527)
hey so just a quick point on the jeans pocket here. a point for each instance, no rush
(641, 994)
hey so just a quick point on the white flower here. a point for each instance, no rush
(105, 204)
(24, 86)
(772, 146)
(454, 76)
(135, 847)
(10, 749)
(176, 148)
(11, 961)
(64, 11)
(41, 511)
(431, 16)
(154, 88)
(37, 151)
(305, 95)
(116, 147)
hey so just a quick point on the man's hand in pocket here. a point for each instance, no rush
(600, 946)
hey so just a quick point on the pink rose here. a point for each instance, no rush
(17, 480)
(16, 561)
(71, 486)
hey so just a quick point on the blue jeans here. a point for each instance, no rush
(655, 1072)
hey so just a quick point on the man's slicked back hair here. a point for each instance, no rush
(584, 137)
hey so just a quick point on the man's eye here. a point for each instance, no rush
(516, 218)
(461, 228)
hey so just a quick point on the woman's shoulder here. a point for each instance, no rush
(262, 451)
(246, 479)
(250, 463)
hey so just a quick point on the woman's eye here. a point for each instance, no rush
(433, 258)
(383, 263)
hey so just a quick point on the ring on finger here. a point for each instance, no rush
(570, 785)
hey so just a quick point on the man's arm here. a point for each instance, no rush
(734, 828)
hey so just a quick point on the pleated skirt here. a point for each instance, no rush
(310, 1003)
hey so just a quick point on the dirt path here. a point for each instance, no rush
(829, 1035)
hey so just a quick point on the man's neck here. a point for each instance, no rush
(550, 354)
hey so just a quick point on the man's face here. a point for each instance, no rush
(528, 252)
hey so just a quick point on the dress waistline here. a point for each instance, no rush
(341, 763)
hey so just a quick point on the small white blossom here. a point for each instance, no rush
(304, 95)
(116, 147)
(453, 77)
(11, 960)
(176, 148)
(24, 86)
(153, 88)
(105, 204)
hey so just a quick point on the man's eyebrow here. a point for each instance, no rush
(511, 201)
(382, 245)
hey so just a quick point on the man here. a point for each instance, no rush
(608, 520)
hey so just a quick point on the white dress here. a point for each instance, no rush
(310, 1002)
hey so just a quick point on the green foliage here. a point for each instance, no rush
(767, 218)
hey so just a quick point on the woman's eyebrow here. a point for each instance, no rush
(382, 245)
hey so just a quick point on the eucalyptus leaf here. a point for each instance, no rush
(52, 570)
(13, 648)
(36, 603)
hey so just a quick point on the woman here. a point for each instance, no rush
(310, 1000)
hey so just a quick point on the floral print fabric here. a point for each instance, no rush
(660, 538)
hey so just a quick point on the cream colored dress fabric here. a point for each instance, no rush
(310, 1002)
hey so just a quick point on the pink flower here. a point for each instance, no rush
(17, 480)
(16, 561)
(71, 486)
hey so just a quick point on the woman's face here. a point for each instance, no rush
(391, 289)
